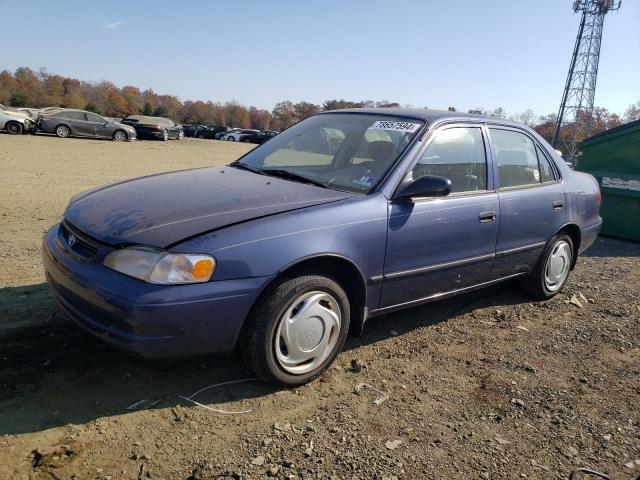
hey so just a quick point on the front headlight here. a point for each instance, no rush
(164, 268)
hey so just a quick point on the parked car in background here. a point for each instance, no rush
(260, 137)
(32, 112)
(190, 130)
(48, 110)
(14, 122)
(80, 123)
(158, 128)
(210, 132)
(286, 250)
(237, 135)
(219, 135)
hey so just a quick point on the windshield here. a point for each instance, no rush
(346, 151)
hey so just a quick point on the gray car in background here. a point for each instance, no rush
(79, 123)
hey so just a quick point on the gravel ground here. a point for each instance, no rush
(486, 385)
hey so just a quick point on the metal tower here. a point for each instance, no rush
(576, 109)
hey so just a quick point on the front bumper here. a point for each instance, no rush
(155, 321)
(149, 134)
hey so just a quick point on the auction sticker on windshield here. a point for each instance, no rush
(395, 126)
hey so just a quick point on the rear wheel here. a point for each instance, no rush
(63, 131)
(296, 329)
(552, 270)
(13, 128)
(231, 139)
(119, 136)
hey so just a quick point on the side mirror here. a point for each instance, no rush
(425, 186)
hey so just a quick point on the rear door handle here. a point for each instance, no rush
(489, 216)
(558, 204)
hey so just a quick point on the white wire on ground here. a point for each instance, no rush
(217, 410)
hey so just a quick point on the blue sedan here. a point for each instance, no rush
(345, 216)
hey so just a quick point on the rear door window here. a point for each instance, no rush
(92, 117)
(75, 115)
(516, 158)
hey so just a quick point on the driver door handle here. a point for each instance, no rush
(558, 204)
(486, 217)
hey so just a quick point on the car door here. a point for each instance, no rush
(79, 124)
(441, 245)
(101, 127)
(532, 200)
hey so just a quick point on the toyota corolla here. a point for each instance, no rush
(345, 216)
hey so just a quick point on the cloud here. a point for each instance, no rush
(114, 25)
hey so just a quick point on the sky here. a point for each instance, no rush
(512, 54)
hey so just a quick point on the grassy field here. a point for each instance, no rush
(41, 173)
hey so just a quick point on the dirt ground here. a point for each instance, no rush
(486, 385)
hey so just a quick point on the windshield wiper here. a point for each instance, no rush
(244, 166)
(282, 173)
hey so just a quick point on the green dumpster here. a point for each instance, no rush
(613, 157)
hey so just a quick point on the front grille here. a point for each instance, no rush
(80, 244)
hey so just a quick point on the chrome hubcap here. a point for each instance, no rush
(308, 332)
(558, 265)
(63, 131)
(120, 136)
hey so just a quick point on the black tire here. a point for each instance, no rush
(534, 284)
(200, 136)
(13, 128)
(118, 136)
(231, 139)
(63, 131)
(257, 340)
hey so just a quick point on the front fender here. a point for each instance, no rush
(354, 229)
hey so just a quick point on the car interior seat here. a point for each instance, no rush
(514, 169)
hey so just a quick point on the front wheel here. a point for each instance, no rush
(231, 139)
(296, 330)
(13, 128)
(165, 136)
(63, 131)
(181, 135)
(552, 270)
(119, 136)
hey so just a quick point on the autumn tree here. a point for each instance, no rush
(236, 115)
(259, 119)
(632, 113)
(527, 118)
(302, 110)
(338, 104)
(283, 115)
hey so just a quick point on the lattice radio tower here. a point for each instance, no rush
(576, 109)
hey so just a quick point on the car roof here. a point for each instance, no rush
(427, 115)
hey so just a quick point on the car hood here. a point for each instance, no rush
(161, 210)
(16, 115)
(122, 125)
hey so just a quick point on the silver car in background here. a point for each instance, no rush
(15, 121)
(80, 123)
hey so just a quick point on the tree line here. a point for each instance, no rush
(28, 88)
